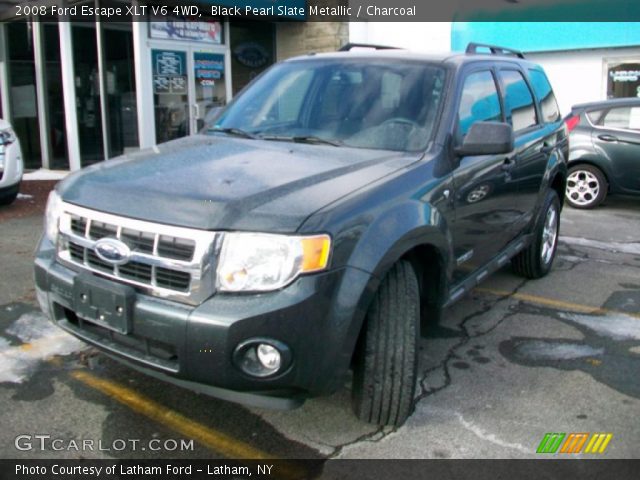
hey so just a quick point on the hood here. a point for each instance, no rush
(223, 183)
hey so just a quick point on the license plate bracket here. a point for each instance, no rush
(104, 303)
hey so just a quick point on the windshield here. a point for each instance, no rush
(358, 103)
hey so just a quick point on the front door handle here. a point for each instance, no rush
(608, 138)
(508, 164)
(547, 148)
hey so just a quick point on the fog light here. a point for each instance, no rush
(269, 356)
(262, 357)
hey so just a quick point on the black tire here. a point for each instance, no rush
(583, 196)
(386, 362)
(535, 261)
(8, 195)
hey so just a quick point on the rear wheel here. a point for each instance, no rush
(586, 186)
(535, 261)
(386, 360)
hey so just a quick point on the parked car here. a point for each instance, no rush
(11, 164)
(329, 213)
(604, 157)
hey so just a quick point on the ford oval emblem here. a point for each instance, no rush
(113, 251)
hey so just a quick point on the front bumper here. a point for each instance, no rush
(318, 317)
(12, 166)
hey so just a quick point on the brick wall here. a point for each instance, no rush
(299, 38)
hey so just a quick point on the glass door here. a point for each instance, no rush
(170, 93)
(209, 85)
(188, 82)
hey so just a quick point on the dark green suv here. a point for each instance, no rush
(332, 210)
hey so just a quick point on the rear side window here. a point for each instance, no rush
(521, 112)
(627, 118)
(479, 101)
(594, 116)
(544, 92)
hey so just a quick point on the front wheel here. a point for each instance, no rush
(535, 261)
(386, 362)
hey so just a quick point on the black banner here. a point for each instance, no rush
(321, 469)
(331, 10)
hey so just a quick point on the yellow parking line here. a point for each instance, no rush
(219, 442)
(525, 297)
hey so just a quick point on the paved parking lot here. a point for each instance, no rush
(512, 361)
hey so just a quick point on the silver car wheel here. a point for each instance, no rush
(583, 187)
(549, 235)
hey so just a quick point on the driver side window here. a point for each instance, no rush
(479, 101)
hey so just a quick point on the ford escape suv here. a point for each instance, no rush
(318, 225)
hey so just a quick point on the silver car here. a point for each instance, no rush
(11, 164)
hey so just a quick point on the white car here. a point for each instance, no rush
(11, 164)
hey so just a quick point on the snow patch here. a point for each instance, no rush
(615, 326)
(42, 340)
(543, 350)
(615, 247)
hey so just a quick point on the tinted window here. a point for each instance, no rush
(519, 104)
(544, 92)
(623, 117)
(479, 101)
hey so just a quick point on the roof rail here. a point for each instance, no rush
(495, 50)
(348, 46)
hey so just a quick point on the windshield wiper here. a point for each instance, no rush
(302, 139)
(238, 132)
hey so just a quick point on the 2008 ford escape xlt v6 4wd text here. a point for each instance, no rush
(318, 224)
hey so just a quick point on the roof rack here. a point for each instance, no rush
(495, 50)
(348, 46)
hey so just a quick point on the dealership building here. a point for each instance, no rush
(585, 61)
(79, 90)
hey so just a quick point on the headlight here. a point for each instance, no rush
(7, 136)
(262, 262)
(52, 216)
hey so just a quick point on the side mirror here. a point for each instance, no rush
(487, 138)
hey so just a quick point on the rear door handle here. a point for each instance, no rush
(608, 138)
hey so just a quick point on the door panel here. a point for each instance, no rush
(484, 190)
(531, 146)
(170, 93)
(618, 137)
(209, 86)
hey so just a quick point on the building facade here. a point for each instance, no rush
(585, 61)
(81, 90)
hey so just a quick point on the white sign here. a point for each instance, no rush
(172, 28)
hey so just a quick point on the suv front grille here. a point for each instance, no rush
(166, 261)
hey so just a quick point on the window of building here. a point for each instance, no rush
(519, 103)
(252, 51)
(623, 79)
(85, 59)
(544, 92)
(120, 86)
(22, 91)
(479, 101)
(54, 102)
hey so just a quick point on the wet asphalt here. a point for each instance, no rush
(510, 362)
